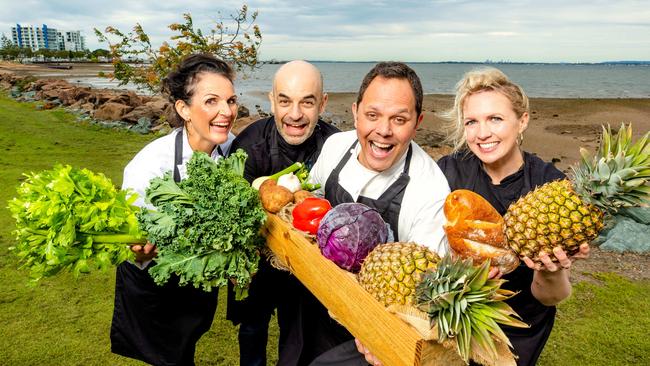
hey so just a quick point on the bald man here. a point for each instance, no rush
(293, 134)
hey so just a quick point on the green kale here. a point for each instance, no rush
(72, 219)
(207, 228)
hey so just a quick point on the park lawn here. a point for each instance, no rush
(66, 321)
(63, 320)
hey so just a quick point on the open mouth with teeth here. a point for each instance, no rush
(219, 126)
(381, 150)
(295, 129)
(488, 146)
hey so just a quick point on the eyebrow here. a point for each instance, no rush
(310, 96)
(374, 108)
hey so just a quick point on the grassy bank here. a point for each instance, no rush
(65, 321)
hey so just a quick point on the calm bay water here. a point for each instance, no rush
(538, 80)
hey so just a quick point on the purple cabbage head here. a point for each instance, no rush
(348, 232)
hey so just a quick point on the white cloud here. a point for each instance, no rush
(553, 30)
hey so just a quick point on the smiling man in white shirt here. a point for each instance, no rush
(378, 164)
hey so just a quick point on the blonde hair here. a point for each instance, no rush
(476, 81)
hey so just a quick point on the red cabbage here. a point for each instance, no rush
(348, 232)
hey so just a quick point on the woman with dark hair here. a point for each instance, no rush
(161, 324)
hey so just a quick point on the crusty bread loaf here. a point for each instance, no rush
(476, 230)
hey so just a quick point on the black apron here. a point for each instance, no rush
(464, 170)
(332, 344)
(272, 288)
(159, 325)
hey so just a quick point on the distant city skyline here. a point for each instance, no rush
(364, 30)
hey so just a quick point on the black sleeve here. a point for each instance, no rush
(449, 168)
(327, 129)
(252, 141)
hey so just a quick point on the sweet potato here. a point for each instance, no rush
(301, 195)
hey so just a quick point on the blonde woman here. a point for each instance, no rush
(487, 124)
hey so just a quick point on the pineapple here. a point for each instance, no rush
(457, 300)
(467, 306)
(391, 271)
(568, 213)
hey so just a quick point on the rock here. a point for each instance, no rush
(158, 103)
(626, 235)
(73, 95)
(87, 107)
(112, 111)
(242, 123)
(169, 115)
(15, 92)
(260, 111)
(53, 84)
(129, 98)
(243, 112)
(142, 127)
(99, 97)
(29, 96)
(143, 111)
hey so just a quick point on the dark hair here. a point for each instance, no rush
(179, 84)
(394, 70)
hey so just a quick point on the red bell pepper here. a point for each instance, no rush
(308, 214)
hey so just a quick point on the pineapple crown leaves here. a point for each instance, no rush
(466, 305)
(618, 175)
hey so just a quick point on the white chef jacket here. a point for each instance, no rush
(421, 215)
(157, 158)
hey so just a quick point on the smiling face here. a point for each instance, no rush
(386, 120)
(491, 130)
(297, 100)
(211, 112)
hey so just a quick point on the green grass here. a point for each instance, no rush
(63, 320)
(66, 321)
(603, 323)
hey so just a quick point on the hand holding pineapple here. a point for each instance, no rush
(564, 262)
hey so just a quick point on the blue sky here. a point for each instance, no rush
(366, 30)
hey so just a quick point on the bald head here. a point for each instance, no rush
(297, 100)
(299, 71)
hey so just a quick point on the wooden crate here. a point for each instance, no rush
(389, 338)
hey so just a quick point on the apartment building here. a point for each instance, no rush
(45, 37)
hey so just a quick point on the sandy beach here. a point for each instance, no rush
(557, 128)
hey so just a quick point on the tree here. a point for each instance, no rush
(5, 42)
(100, 53)
(238, 45)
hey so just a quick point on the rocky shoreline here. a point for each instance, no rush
(107, 107)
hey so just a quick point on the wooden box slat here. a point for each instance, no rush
(389, 338)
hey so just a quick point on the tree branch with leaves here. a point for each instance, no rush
(135, 60)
